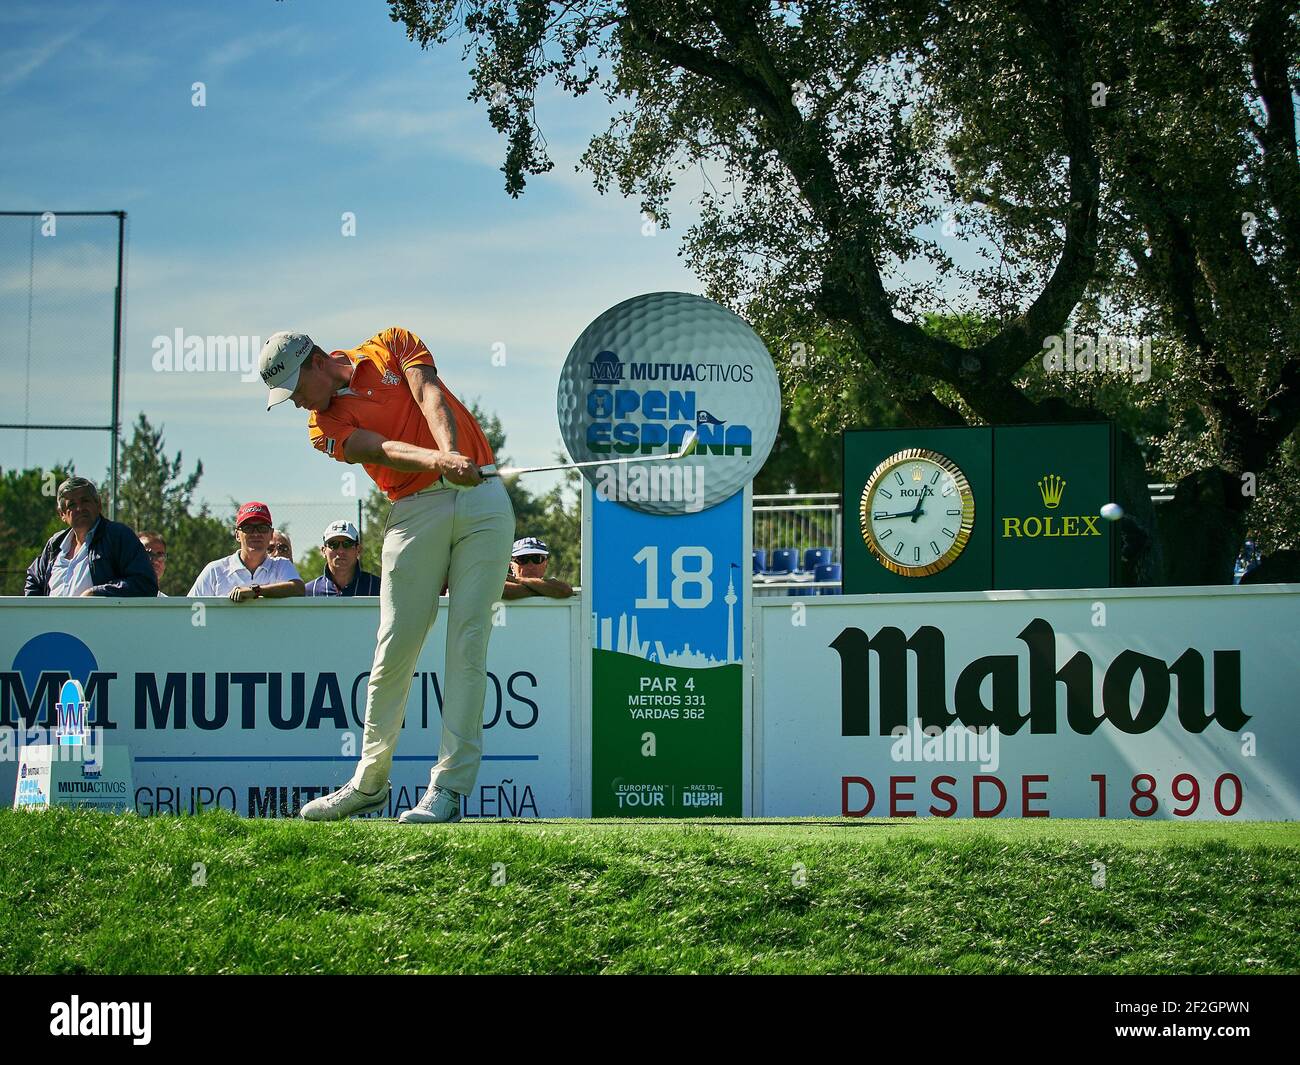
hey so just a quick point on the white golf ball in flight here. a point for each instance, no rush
(1112, 512)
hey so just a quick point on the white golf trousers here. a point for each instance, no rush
(436, 536)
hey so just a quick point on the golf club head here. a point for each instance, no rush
(689, 443)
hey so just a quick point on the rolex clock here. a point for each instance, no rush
(917, 512)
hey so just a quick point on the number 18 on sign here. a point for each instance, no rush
(668, 640)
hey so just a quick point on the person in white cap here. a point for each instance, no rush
(384, 405)
(528, 559)
(343, 574)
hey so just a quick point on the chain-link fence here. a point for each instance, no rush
(61, 292)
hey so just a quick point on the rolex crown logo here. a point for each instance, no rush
(916, 472)
(1051, 488)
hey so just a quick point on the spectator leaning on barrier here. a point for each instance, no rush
(280, 547)
(155, 547)
(95, 556)
(343, 573)
(527, 575)
(251, 572)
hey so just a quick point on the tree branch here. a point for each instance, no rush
(1272, 43)
(697, 61)
(1021, 338)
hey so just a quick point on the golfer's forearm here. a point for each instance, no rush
(438, 415)
(427, 393)
(399, 455)
(371, 448)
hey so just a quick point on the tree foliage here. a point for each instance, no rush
(1125, 169)
(156, 494)
(28, 518)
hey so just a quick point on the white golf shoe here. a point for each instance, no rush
(438, 807)
(344, 803)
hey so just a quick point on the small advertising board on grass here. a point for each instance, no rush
(77, 769)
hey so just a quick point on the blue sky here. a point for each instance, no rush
(235, 215)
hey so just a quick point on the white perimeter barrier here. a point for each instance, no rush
(258, 707)
(1164, 703)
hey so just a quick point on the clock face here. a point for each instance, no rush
(917, 512)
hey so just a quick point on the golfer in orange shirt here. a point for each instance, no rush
(383, 405)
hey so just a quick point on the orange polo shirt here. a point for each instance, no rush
(379, 398)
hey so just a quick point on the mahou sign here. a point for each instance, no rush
(1168, 703)
(1135, 687)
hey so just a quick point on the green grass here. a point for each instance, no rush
(85, 892)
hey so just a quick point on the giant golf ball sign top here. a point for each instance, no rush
(653, 368)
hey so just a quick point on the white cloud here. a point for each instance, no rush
(290, 41)
(18, 64)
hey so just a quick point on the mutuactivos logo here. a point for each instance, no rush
(607, 368)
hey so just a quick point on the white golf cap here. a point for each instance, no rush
(529, 545)
(340, 528)
(282, 358)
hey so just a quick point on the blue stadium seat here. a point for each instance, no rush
(816, 556)
(784, 560)
(806, 590)
(829, 572)
(760, 560)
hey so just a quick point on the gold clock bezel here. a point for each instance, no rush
(950, 556)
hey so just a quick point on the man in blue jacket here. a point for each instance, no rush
(95, 556)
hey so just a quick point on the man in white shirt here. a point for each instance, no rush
(251, 572)
(70, 575)
(94, 557)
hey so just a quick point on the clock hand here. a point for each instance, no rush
(916, 511)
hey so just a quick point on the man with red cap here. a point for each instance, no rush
(383, 404)
(251, 572)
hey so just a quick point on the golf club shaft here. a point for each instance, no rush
(515, 471)
(687, 447)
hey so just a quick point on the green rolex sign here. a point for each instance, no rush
(973, 509)
(1050, 483)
